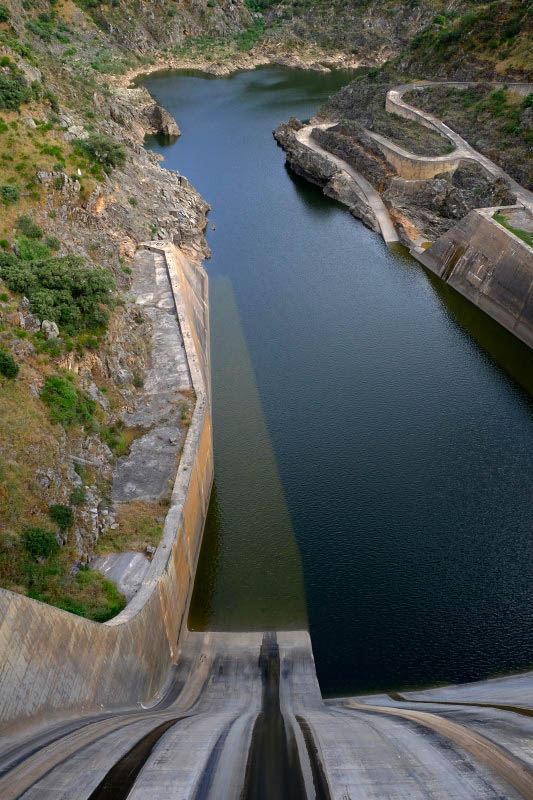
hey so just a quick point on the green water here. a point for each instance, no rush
(248, 521)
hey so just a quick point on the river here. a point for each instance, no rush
(373, 430)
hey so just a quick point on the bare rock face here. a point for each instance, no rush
(526, 119)
(351, 143)
(29, 322)
(31, 74)
(435, 205)
(318, 169)
(161, 122)
(341, 187)
(135, 111)
(303, 161)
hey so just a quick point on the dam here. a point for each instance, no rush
(372, 486)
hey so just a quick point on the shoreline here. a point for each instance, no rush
(241, 63)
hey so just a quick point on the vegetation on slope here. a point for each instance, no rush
(486, 39)
(497, 122)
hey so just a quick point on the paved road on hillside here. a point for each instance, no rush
(371, 196)
(397, 105)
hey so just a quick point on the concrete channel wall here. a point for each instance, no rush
(52, 661)
(490, 266)
(416, 168)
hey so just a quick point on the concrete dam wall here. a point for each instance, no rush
(52, 661)
(488, 265)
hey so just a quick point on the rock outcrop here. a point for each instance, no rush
(434, 206)
(135, 111)
(319, 170)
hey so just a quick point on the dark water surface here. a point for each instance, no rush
(362, 410)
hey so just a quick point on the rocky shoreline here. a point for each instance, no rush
(324, 62)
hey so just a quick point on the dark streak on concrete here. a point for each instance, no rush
(319, 777)
(206, 779)
(273, 771)
(119, 780)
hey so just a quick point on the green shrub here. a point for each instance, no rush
(13, 91)
(67, 405)
(39, 542)
(8, 366)
(112, 601)
(52, 99)
(53, 243)
(78, 496)
(43, 30)
(10, 194)
(62, 516)
(103, 150)
(31, 249)
(447, 37)
(4, 13)
(28, 228)
(60, 288)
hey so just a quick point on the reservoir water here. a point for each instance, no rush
(373, 430)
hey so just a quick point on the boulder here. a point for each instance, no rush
(526, 119)
(50, 329)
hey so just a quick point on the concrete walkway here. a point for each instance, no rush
(395, 104)
(147, 471)
(370, 195)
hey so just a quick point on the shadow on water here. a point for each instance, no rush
(514, 358)
(249, 574)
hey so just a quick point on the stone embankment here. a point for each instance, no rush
(54, 662)
(336, 177)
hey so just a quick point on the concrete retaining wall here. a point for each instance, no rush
(413, 167)
(488, 265)
(51, 660)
